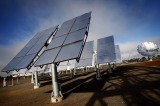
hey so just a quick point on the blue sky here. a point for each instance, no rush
(130, 21)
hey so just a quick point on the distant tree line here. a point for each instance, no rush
(140, 59)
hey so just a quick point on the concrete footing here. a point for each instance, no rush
(36, 87)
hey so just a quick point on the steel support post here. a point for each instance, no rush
(32, 78)
(4, 82)
(109, 68)
(74, 71)
(36, 83)
(56, 95)
(98, 75)
(71, 74)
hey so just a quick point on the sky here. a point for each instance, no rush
(131, 22)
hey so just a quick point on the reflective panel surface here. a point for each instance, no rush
(69, 52)
(88, 50)
(30, 51)
(87, 54)
(65, 28)
(84, 16)
(25, 61)
(75, 36)
(12, 64)
(48, 56)
(80, 24)
(24, 51)
(57, 42)
(118, 54)
(36, 48)
(106, 50)
(69, 42)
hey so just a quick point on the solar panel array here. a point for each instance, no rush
(106, 50)
(26, 56)
(68, 42)
(118, 54)
(87, 54)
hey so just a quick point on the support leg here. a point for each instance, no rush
(32, 78)
(56, 95)
(98, 75)
(109, 68)
(36, 83)
(71, 74)
(4, 82)
(74, 71)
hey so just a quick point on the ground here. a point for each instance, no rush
(135, 84)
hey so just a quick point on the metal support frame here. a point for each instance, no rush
(71, 73)
(4, 82)
(109, 68)
(83, 69)
(74, 71)
(36, 82)
(56, 95)
(114, 66)
(98, 75)
(32, 78)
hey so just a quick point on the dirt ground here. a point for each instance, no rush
(129, 85)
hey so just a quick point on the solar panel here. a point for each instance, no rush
(67, 44)
(80, 24)
(26, 56)
(12, 64)
(87, 54)
(48, 56)
(75, 36)
(65, 28)
(56, 42)
(105, 50)
(25, 61)
(118, 54)
(69, 52)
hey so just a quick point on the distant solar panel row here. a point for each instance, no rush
(106, 50)
(118, 53)
(26, 56)
(68, 43)
(86, 57)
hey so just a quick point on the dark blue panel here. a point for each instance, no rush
(12, 64)
(24, 51)
(84, 16)
(36, 48)
(47, 57)
(65, 28)
(75, 36)
(80, 24)
(69, 52)
(106, 50)
(25, 61)
(118, 53)
(56, 42)
(24, 58)
(88, 50)
(69, 43)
